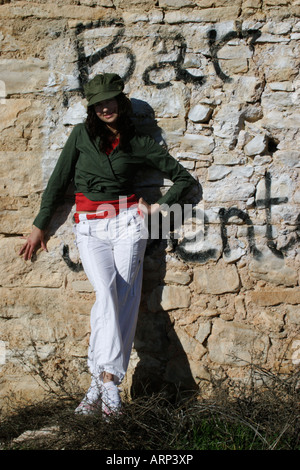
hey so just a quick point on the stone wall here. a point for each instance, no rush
(217, 82)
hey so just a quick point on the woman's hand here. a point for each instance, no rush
(148, 209)
(33, 241)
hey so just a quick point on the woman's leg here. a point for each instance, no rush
(96, 252)
(112, 254)
(129, 249)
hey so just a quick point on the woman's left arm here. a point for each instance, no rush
(159, 158)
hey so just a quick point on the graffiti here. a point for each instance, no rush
(75, 267)
(225, 215)
(215, 46)
(177, 43)
(267, 203)
(181, 247)
(180, 73)
(85, 63)
(169, 64)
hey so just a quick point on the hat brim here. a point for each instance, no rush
(107, 95)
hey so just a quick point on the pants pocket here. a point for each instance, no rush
(83, 228)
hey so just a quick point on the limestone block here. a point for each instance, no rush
(20, 173)
(190, 345)
(46, 315)
(10, 111)
(130, 17)
(297, 196)
(178, 277)
(234, 66)
(274, 27)
(168, 298)
(293, 314)
(24, 76)
(24, 9)
(281, 65)
(43, 279)
(216, 279)
(277, 120)
(174, 4)
(236, 51)
(229, 189)
(270, 38)
(281, 86)
(17, 272)
(203, 331)
(273, 321)
(13, 266)
(249, 89)
(279, 100)
(199, 372)
(82, 286)
(236, 344)
(289, 158)
(170, 129)
(295, 352)
(200, 113)
(256, 146)
(225, 158)
(226, 123)
(135, 4)
(207, 15)
(198, 143)
(234, 255)
(272, 269)
(265, 298)
(217, 172)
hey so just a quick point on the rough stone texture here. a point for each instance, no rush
(216, 279)
(218, 83)
(237, 344)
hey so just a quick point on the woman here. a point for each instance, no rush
(101, 156)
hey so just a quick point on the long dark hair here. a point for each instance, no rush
(96, 127)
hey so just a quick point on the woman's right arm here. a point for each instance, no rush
(33, 241)
(53, 194)
(59, 180)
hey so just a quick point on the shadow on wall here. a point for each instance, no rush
(163, 364)
(144, 120)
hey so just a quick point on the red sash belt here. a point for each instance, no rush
(103, 209)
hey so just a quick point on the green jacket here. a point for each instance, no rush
(102, 178)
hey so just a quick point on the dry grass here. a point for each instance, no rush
(234, 417)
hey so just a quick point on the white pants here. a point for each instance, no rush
(112, 252)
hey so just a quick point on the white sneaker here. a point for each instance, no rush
(111, 401)
(88, 407)
(91, 403)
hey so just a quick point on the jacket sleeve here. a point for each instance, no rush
(58, 181)
(159, 158)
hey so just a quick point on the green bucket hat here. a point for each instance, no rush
(103, 87)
